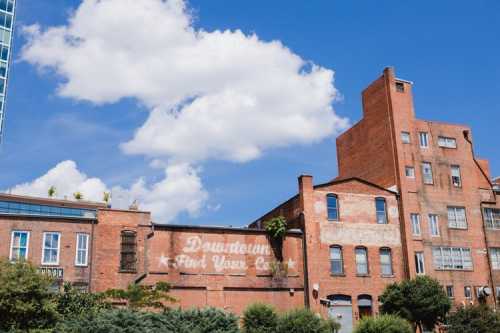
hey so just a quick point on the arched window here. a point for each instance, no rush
(332, 203)
(128, 251)
(361, 260)
(381, 208)
(336, 260)
(386, 261)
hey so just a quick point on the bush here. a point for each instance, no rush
(171, 321)
(25, 300)
(383, 324)
(304, 321)
(260, 318)
(477, 319)
(72, 304)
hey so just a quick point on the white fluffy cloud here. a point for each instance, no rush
(180, 190)
(211, 94)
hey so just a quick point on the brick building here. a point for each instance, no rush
(411, 198)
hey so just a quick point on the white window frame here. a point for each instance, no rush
(416, 224)
(410, 172)
(12, 243)
(406, 137)
(492, 218)
(452, 293)
(424, 139)
(388, 252)
(453, 169)
(453, 223)
(420, 262)
(87, 236)
(425, 175)
(447, 142)
(468, 290)
(58, 248)
(452, 261)
(495, 258)
(434, 219)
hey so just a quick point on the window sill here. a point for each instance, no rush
(127, 271)
(363, 275)
(332, 220)
(388, 276)
(337, 275)
(454, 228)
(50, 264)
(81, 266)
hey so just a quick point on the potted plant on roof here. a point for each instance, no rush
(106, 197)
(52, 191)
(78, 195)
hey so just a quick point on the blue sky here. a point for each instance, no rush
(449, 49)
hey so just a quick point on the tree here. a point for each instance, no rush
(25, 300)
(139, 296)
(422, 301)
(51, 192)
(260, 318)
(383, 324)
(304, 321)
(477, 319)
(276, 229)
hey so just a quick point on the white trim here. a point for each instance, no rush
(58, 248)
(86, 249)
(12, 243)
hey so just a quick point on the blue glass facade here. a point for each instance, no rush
(7, 8)
(22, 208)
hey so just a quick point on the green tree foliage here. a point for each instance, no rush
(78, 195)
(383, 324)
(25, 300)
(171, 321)
(304, 321)
(51, 192)
(422, 301)
(260, 318)
(477, 319)
(143, 297)
(72, 303)
(276, 227)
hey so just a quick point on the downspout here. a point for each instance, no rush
(91, 255)
(307, 302)
(488, 258)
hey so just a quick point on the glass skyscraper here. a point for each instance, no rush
(7, 8)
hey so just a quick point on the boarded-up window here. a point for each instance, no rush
(128, 251)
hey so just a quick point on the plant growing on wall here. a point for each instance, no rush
(143, 297)
(279, 269)
(276, 230)
(78, 195)
(106, 196)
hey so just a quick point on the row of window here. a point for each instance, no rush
(446, 258)
(12, 207)
(443, 141)
(51, 244)
(467, 292)
(332, 203)
(361, 257)
(428, 176)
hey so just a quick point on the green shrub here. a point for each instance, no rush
(260, 318)
(477, 319)
(383, 324)
(72, 303)
(303, 321)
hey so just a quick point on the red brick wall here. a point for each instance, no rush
(68, 228)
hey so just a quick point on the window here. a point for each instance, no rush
(427, 173)
(449, 291)
(386, 262)
(456, 179)
(361, 261)
(492, 218)
(381, 209)
(424, 139)
(445, 142)
(333, 207)
(405, 137)
(457, 218)
(419, 263)
(128, 251)
(498, 293)
(468, 292)
(400, 87)
(19, 245)
(7, 5)
(50, 251)
(495, 258)
(410, 172)
(452, 258)
(336, 260)
(82, 249)
(415, 224)
(434, 225)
